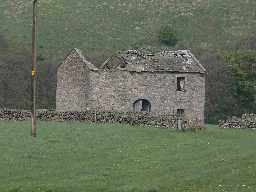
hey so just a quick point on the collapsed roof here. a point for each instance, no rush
(143, 60)
(139, 60)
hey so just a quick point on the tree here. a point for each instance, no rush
(220, 102)
(168, 36)
(243, 67)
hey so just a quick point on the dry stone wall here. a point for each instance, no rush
(163, 121)
(246, 121)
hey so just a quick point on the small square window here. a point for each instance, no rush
(180, 83)
(180, 112)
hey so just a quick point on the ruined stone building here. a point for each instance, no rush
(165, 82)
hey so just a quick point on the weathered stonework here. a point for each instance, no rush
(246, 121)
(124, 79)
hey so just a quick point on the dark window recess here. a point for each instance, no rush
(180, 112)
(180, 83)
(142, 105)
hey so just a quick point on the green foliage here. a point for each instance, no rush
(220, 103)
(167, 36)
(77, 157)
(243, 65)
(99, 27)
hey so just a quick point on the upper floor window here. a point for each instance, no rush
(180, 83)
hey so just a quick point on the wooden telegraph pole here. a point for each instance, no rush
(34, 71)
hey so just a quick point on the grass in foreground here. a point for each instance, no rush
(73, 156)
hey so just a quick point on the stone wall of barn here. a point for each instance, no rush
(118, 91)
(81, 89)
(73, 84)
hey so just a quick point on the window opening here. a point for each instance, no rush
(180, 112)
(180, 83)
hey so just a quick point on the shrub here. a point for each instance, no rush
(243, 68)
(168, 36)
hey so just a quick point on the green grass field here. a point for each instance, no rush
(76, 157)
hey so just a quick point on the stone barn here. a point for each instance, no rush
(164, 82)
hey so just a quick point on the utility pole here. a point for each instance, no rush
(34, 71)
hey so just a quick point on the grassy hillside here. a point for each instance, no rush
(89, 157)
(102, 27)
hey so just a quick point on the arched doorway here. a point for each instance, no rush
(141, 105)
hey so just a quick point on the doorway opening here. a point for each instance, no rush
(142, 105)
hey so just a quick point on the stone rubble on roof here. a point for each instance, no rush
(166, 60)
(145, 60)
